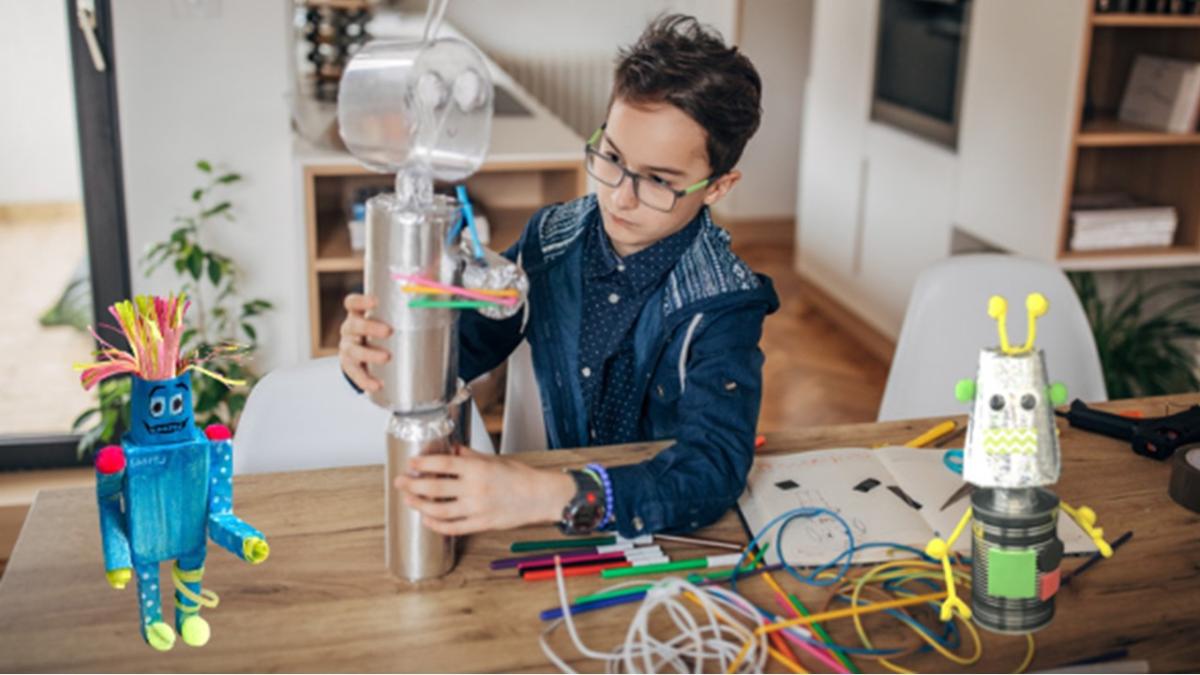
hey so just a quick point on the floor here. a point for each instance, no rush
(815, 373)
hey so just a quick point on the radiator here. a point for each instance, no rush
(575, 87)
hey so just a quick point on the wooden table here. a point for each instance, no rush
(324, 602)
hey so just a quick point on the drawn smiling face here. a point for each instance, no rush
(161, 411)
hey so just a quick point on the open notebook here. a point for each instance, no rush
(888, 494)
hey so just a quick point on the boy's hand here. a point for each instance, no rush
(353, 353)
(481, 492)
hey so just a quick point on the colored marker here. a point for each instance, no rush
(550, 544)
(580, 571)
(580, 608)
(728, 560)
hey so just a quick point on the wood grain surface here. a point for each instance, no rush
(324, 601)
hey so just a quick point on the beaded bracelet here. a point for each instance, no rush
(609, 516)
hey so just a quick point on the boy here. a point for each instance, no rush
(642, 323)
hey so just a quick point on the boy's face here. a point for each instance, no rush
(658, 141)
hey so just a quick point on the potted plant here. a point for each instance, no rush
(220, 325)
(1142, 335)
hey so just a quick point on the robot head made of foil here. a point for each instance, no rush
(1012, 441)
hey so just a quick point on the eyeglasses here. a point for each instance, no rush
(649, 190)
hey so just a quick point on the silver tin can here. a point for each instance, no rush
(1021, 523)
(423, 370)
(413, 551)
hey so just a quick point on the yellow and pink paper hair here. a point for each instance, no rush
(153, 326)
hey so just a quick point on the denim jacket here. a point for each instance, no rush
(698, 366)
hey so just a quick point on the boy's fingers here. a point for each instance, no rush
(437, 510)
(444, 464)
(356, 326)
(363, 354)
(358, 375)
(455, 527)
(357, 302)
(429, 487)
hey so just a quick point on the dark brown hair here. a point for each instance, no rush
(678, 60)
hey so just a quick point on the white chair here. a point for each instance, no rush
(946, 325)
(307, 417)
(524, 426)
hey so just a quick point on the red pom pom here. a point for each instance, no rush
(110, 459)
(218, 432)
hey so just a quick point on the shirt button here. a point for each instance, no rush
(587, 372)
(638, 524)
(620, 268)
(614, 298)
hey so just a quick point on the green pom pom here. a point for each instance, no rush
(255, 550)
(1058, 393)
(160, 636)
(195, 631)
(964, 391)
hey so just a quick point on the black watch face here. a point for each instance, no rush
(587, 516)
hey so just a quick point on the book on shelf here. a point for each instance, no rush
(1162, 93)
(1117, 220)
(1148, 6)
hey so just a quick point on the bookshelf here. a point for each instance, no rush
(1108, 155)
(1121, 20)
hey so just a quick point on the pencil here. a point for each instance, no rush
(1096, 557)
(932, 434)
(711, 543)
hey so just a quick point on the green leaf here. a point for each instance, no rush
(195, 263)
(197, 194)
(84, 417)
(108, 422)
(236, 403)
(204, 166)
(214, 270)
(219, 208)
(250, 331)
(229, 178)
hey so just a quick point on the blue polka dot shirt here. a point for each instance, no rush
(614, 291)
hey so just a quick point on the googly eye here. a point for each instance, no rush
(158, 405)
(431, 90)
(996, 402)
(468, 90)
(176, 404)
(1028, 401)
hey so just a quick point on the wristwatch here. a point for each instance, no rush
(585, 512)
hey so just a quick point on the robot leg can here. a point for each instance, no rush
(1017, 556)
(413, 551)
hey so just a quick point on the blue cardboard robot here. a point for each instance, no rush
(168, 486)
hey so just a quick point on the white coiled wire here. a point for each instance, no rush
(713, 642)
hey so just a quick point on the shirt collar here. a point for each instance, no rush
(644, 267)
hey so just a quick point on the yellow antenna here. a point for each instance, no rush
(998, 310)
(1036, 304)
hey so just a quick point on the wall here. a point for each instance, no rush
(773, 33)
(208, 79)
(37, 116)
